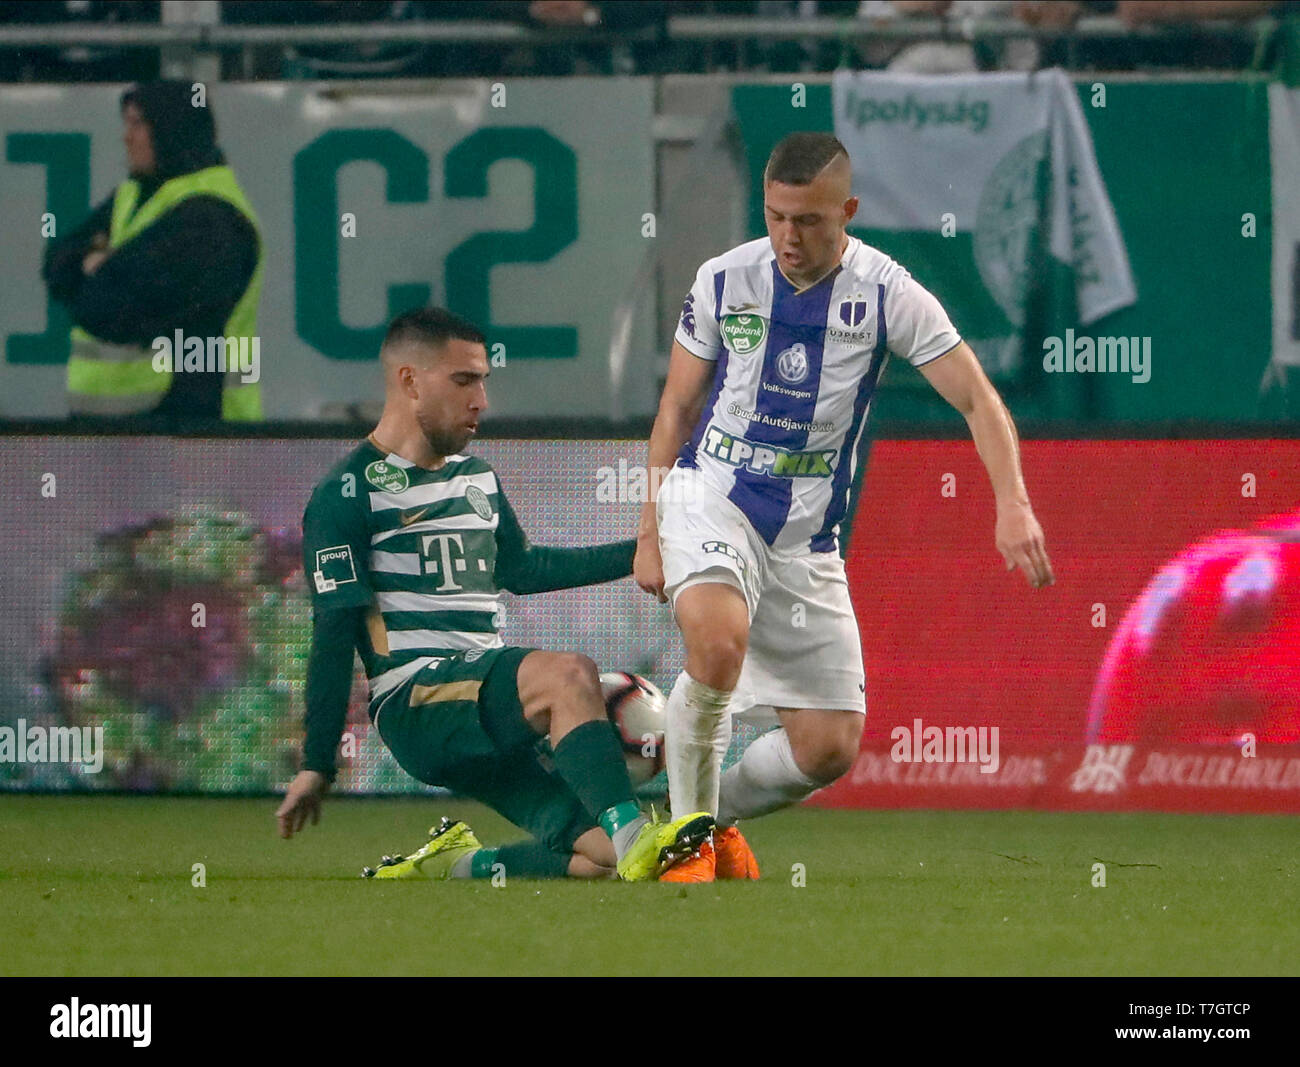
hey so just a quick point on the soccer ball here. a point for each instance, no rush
(637, 708)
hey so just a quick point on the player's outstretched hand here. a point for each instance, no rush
(1020, 540)
(300, 801)
(648, 568)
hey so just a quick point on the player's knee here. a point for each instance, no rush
(574, 676)
(829, 765)
(715, 657)
(714, 622)
(825, 759)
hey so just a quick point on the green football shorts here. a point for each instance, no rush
(459, 724)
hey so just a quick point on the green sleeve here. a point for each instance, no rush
(329, 684)
(524, 568)
(335, 549)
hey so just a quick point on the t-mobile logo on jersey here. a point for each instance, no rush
(450, 565)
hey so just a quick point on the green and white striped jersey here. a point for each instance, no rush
(427, 553)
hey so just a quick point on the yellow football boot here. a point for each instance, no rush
(661, 844)
(448, 842)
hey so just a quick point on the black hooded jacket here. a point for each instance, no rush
(187, 271)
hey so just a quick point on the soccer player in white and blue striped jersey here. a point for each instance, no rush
(777, 355)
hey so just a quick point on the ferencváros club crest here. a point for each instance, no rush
(387, 477)
(1006, 245)
(743, 333)
(477, 499)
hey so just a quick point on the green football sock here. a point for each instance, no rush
(590, 760)
(532, 859)
(526, 859)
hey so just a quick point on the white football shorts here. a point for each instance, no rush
(804, 649)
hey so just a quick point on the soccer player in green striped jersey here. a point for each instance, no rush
(407, 544)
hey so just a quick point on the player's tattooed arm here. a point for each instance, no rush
(959, 379)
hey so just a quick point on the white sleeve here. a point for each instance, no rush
(917, 328)
(697, 328)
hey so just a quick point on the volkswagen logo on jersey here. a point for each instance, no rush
(792, 364)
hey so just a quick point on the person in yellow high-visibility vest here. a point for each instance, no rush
(163, 279)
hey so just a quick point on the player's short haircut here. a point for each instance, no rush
(431, 327)
(799, 158)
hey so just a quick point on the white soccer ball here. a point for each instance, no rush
(637, 708)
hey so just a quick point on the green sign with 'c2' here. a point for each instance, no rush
(519, 209)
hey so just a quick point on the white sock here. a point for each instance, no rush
(699, 730)
(625, 835)
(765, 779)
(462, 868)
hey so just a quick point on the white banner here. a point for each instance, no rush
(1284, 151)
(965, 148)
(518, 204)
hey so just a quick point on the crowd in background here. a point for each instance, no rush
(630, 37)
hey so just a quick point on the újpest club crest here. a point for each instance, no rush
(852, 312)
(743, 333)
(387, 477)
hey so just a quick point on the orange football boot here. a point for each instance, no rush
(698, 867)
(735, 859)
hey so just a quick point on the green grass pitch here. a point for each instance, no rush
(103, 886)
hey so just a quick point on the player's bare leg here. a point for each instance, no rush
(560, 695)
(559, 692)
(453, 852)
(714, 622)
(593, 856)
(811, 749)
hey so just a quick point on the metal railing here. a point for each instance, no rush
(692, 28)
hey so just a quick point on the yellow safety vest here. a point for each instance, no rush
(109, 379)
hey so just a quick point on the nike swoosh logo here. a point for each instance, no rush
(406, 518)
(741, 307)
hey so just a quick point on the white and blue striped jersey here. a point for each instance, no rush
(796, 371)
